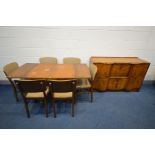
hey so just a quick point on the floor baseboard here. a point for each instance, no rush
(149, 82)
(4, 82)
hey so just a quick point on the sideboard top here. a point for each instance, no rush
(111, 60)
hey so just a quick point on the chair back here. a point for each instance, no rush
(93, 70)
(62, 86)
(28, 86)
(71, 60)
(51, 60)
(9, 68)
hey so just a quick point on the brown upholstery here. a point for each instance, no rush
(71, 60)
(33, 89)
(51, 60)
(63, 90)
(8, 69)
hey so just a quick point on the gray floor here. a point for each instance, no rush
(110, 110)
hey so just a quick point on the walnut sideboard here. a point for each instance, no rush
(119, 73)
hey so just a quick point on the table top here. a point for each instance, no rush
(111, 60)
(51, 71)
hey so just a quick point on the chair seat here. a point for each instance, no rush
(83, 83)
(37, 95)
(63, 95)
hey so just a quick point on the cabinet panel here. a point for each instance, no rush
(117, 83)
(103, 70)
(134, 83)
(100, 84)
(121, 70)
(139, 70)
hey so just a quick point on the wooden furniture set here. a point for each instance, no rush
(61, 81)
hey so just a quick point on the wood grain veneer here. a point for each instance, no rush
(51, 71)
(119, 73)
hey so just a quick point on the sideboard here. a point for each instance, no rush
(119, 73)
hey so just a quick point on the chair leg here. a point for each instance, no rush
(46, 107)
(27, 108)
(75, 96)
(15, 93)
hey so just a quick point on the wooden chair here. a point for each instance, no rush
(71, 60)
(51, 60)
(86, 84)
(8, 69)
(32, 90)
(63, 90)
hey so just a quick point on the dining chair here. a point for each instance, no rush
(51, 60)
(33, 90)
(63, 90)
(86, 84)
(71, 60)
(8, 69)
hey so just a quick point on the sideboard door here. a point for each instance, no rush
(136, 76)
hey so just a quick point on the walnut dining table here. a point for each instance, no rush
(51, 71)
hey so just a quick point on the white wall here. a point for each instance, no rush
(27, 44)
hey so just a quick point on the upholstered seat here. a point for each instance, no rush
(37, 95)
(63, 95)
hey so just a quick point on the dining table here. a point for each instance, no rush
(51, 71)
